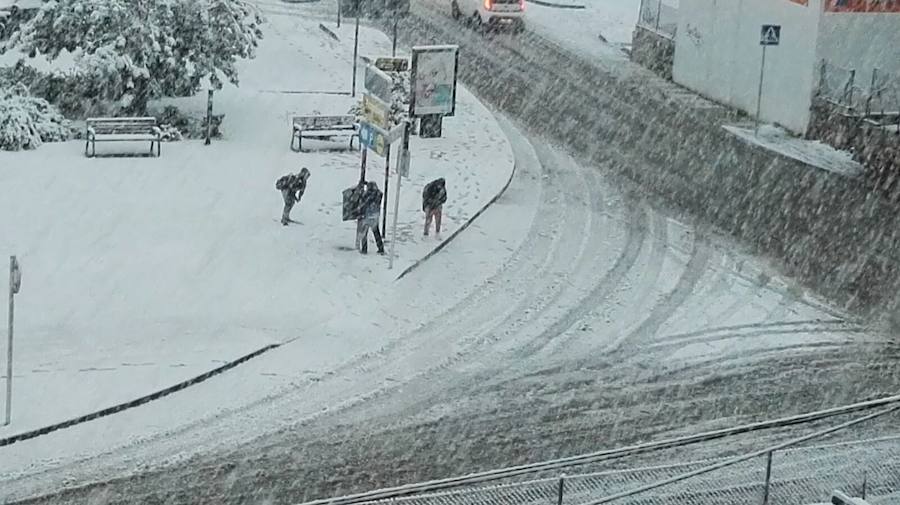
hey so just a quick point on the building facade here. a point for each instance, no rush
(833, 43)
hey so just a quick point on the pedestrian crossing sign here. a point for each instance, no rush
(770, 36)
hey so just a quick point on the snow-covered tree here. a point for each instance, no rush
(26, 121)
(138, 50)
(400, 94)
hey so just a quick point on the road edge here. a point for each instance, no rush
(462, 228)
(142, 400)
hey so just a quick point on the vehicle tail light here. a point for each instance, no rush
(488, 4)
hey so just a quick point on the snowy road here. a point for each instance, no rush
(610, 321)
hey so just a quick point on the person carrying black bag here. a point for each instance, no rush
(292, 188)
(370, 212)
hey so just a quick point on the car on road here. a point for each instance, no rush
(491, 14)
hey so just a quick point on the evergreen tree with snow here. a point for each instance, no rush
(133, 51)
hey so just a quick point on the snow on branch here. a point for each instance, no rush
(26, 122)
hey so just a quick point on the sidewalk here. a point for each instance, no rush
(139, 273)
(810, 152)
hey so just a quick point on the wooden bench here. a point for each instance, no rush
(125, 129)
(322, 127)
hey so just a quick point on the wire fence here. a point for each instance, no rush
(660, 16)
(802, 475)
(873, 94)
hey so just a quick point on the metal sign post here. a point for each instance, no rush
(355, 50)
(769, 36)
(402, 170)
(387, 179)
(394, 44)
(15, 283)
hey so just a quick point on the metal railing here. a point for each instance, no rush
(787, 472)
(876, 95)
(660, 16)
(785, 475)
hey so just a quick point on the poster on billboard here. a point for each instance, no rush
(433, 80)
(862, 6)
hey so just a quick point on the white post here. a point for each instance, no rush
(404, 158)
(396, 211)
(9, 349)
(762, 73)
(355, 50)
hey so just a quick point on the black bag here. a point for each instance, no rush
(352, 200)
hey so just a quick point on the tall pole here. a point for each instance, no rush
(362, 166)
(561, 489)
(209, 113)
(355, 50)
(394, 45)
(387, 179)
(762, 73)
(404, 158)
(9, 347)
(339, 12)
(768, 478)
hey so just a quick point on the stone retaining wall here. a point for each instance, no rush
(831, 232)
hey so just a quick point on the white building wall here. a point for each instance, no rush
(861, 42)
(717, 54)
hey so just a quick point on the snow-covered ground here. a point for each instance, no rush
(143, 272)
(811, 152)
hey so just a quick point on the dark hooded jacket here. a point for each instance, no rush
(434, 195)
(371, 201)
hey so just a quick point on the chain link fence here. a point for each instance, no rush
(803, 475)
(660, 16)
(873, 94)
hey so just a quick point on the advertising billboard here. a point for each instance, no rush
(862, 6)
(433, 81)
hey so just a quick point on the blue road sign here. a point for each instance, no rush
(372, 138)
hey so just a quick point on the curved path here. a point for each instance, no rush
(611, 322)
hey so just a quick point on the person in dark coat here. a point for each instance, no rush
(370, 212)
(292, 189)
(434, 196)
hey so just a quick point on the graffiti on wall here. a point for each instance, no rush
(862, 6)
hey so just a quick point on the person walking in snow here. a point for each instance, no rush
(292, 188)
(370, 212)
(434, 196)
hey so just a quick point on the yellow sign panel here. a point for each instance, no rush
(376, 112)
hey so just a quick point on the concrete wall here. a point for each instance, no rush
(861, 41)
(718, 55)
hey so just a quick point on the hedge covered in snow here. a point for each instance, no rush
(26, 121)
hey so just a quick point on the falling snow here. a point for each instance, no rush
(625, 257)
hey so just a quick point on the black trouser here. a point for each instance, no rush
(288, 205)
(364, 236)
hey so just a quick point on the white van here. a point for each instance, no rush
(491, 14)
